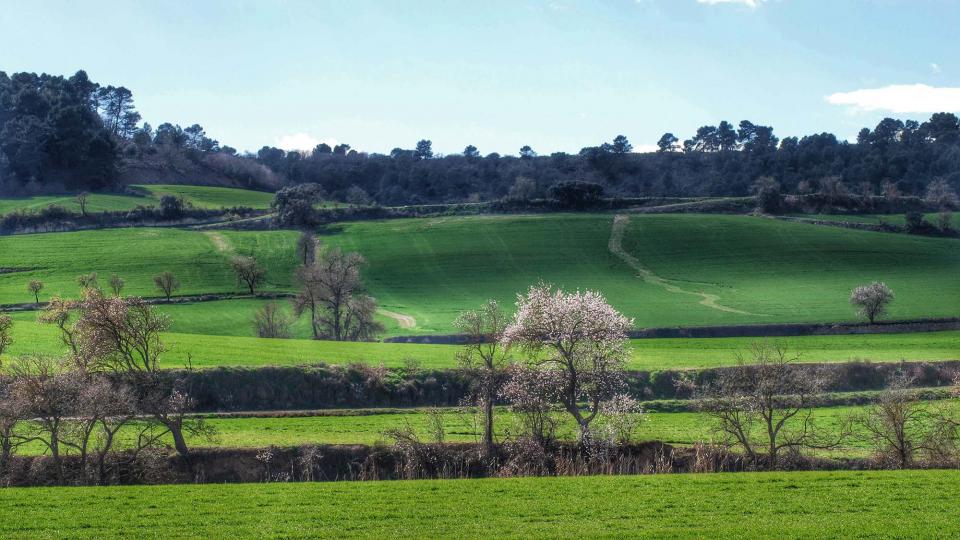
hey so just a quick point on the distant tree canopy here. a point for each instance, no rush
(60, 133)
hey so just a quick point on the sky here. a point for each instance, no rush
(557, 75)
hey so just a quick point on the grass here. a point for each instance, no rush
(200, 260)
(874, 504)
(199, 196)
(219, 334)
(370, 426)
(876, 219)
(433, 268)
(774, 270)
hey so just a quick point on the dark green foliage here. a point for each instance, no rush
(576, 195)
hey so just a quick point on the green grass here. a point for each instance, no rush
(777, 271)
(199, 196)
(876, 219)
(209, 196)
(219, 334)
(875, 504)
(370, 426)
(434, 268)
(199, 259)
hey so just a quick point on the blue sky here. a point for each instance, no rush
(554, 74)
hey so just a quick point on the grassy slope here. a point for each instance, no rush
(777, 271)
(137, 255)
(902, 504)
(236, 348)
(876, 219)
(199, 196)
(369, 426)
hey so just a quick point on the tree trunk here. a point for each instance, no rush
(178, 441)
(488, 422)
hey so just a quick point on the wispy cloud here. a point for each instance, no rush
(748, 3)
(935, 68)
(301, 141)
(900, 98)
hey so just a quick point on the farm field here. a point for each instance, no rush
(370, 426)
(696, 269)
(726, 505)
(759, 270)
(199, 196)
(237, 348)
(876, 219)
(201, 260)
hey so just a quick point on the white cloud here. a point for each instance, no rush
(301, 141)
(900, 98)
(748, 3)
(644, 148)
(935, 68)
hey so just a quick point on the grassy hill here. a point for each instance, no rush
(729, 505)
(199, 196)
(663, 270)
(199, 259)
(763, 270)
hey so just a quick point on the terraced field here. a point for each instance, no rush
(220, 334)
(199, 196)
(730, 505)
(763, 270)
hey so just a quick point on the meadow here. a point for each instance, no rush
(763, 270)
(876, 219)
(199, 259)
(725, 505)
(198, 196)
(372, 427)
(693, 269)
(229, 342)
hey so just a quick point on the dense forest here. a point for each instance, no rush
(70, 133)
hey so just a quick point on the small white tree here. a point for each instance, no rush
(580, 337)
(871, 300)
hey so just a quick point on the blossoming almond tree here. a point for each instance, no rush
(580, 337)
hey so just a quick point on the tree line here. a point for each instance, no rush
(71, 133)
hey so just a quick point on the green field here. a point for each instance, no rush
(219, 334)
(876, 219)
(774, 271)
(198, 196)
(759, 270)
(887, 504)
(201, 260)
(370, 426)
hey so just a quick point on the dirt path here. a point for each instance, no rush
(405, 321)
(616, 247)
(219, 241)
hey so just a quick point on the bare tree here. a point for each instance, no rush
(579, 336)
(118, 334)
(35, 286)
(899, 425)
(49, 391)
(249, 272)
(88, 281)
(940, 194)
(332, 291)
(122, 335)
(116, 284)
(484, 356)
(270, 322)
(82, 199)
(167, 283)
(13, 411)
(6, 327)
(871, 300)
(766, 405)
(61, 313)
(306, 248)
